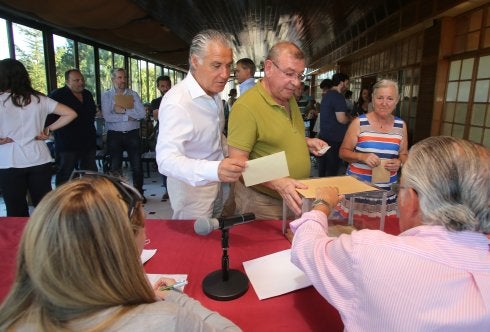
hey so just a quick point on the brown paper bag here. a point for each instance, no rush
(125, 101)
(380, 173)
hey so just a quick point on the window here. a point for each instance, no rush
(4, 50)
(64, 53)
(86, 58)
(105, 67)
(29, 49)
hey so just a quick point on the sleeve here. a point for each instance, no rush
(327, 261)
(174, 134)
(195, 317)
(138, 111)
(107, 104)
(242, 128)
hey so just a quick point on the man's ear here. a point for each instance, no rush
(413, 202)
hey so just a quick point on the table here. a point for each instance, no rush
(180, 250)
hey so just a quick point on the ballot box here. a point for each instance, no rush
(364, 205)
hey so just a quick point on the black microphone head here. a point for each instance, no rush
(204, 226)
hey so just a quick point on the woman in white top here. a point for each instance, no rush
(86, 273)
(25, 160)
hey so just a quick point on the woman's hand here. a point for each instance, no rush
(371, 159)
(393, 165)
(43, 135)
(6, 140)
(161, 283)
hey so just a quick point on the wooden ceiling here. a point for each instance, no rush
(161, 30)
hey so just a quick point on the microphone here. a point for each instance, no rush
(204, 226)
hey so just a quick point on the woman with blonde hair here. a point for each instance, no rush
(79, 268)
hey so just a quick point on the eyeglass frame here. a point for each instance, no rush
(128, 193)
(300, 77)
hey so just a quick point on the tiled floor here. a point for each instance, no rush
(154, 207)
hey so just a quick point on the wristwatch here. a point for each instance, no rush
(320, 201)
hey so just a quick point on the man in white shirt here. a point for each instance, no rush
(191, 147)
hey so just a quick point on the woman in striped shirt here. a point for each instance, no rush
(376, 142)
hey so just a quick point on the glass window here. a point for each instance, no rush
(475, 134)
(29, 49)
(105, 67)
(118, 60)
(152, 78)
(467, 69)
(64, 54)
(478, 114)
(452, 89)
(144, 80)
(86, 59)
(460, 114)
(484, 67)
(464, 91)
(134, 79)
(481, 91)
(4, 50)
(454, 70)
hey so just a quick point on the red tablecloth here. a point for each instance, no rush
(180, 250)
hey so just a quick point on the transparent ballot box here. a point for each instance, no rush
(364, 205)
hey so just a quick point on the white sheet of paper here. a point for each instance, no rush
(178, 277)
(147, 254)
(274, 275)
(266, 168)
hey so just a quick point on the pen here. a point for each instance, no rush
(177, 284)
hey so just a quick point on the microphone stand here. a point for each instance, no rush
(225, 284)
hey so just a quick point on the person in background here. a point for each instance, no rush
(123, 127)
(348, 101)
(163, 85)
(363, 104)
(326, 85)
(75, 143)
(435, 275)
(191, 146)
(377, 137)
(76, 281)
(25, 160)
(244, 73)
(333, 124)
(267, 120)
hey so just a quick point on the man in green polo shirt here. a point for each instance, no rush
(267, 120)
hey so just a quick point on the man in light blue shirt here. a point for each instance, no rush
(122, 110)
(244, 73)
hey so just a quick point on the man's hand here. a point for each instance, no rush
(119, 109)
(230, 169)
(315, 145)
(6, 140)
(286, 187)
(42, 136)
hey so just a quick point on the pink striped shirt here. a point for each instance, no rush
(425, 279)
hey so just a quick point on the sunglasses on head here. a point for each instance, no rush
(128, 193)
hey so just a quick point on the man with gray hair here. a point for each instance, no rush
(122, 110)
(435, 275)
(191, 147)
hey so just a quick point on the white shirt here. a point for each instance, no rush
(426, 279)
(190, 142)
(22, 125)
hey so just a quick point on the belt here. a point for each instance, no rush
(124, 132)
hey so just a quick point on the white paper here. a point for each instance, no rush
(178, 277)
(274, 275)
(146, 254)
(265, 169)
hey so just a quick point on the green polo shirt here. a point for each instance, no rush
(260, 126)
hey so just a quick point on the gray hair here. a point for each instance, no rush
(386, 83)
(115, 70)
(452, 179)
(200, 42)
